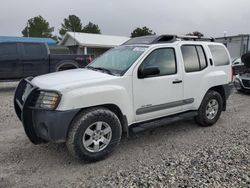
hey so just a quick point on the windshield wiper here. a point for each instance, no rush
(101, 69)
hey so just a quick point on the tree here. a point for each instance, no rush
(38, 27)
(142, 32)
(195, 33)
(72, 23)
(91, 28)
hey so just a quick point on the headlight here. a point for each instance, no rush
(47, 100)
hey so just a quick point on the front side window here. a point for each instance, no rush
(164, 59)
(194, 58)
(8, 49)
(117, 60)
(220, 55)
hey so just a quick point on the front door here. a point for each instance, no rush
(35, 59)
(162, 94)
(10, 65)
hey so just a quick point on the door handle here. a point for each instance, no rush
(177, 81)
(211, 62)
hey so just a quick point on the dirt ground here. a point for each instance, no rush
(23, 164)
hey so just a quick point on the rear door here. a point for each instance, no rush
(196, 74)
(10, 64)
(35, 59)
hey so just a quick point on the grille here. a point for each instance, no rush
(246, 83)
(22, 91)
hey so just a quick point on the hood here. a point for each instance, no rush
(69, 79)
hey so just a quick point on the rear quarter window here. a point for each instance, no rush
(220, 55)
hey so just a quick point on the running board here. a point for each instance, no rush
(152, 124)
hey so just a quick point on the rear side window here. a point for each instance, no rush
(220, 55)
(194, 58)
(8, 50)
(33, 50)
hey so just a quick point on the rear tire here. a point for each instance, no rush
(94, 134)
(210, 109)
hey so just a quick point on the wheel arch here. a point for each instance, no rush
(66, 63)
(123, 119)
(113, 108)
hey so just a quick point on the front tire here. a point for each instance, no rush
(94, 134)
(210, 109)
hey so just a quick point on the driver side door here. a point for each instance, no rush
(162, 94)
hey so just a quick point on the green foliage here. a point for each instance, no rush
(142, 32)
(72, 23)
(91, 28)
(195, 33)
(38, 27)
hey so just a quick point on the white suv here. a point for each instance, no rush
(146, 82)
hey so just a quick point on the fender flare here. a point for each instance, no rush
(63, 63)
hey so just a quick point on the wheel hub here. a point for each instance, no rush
(212, 109)
(97, 136)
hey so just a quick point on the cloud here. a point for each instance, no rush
(119, 17)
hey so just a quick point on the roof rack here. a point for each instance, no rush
(155, 39)
(195, 38)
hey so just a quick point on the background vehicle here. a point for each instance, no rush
(147, 82)
(242, 79)
(20, 60)
(238, 66)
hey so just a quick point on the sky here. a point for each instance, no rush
(121, 17)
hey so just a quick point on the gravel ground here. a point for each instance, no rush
(177, 155)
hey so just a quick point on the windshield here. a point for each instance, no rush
(117, 60)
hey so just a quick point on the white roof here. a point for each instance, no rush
(92, 40)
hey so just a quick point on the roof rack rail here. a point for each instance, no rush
(154, 39)
(195, 38)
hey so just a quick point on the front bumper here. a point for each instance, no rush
(242, 84)
(40, 125)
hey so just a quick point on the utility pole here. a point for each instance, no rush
(225, 34)
(28, 29)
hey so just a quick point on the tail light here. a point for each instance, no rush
(89, 59)
(82, 59)
(232, 73)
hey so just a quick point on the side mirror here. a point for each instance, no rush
(149, 71)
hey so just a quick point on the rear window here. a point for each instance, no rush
(220, 55)
(8, 49)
